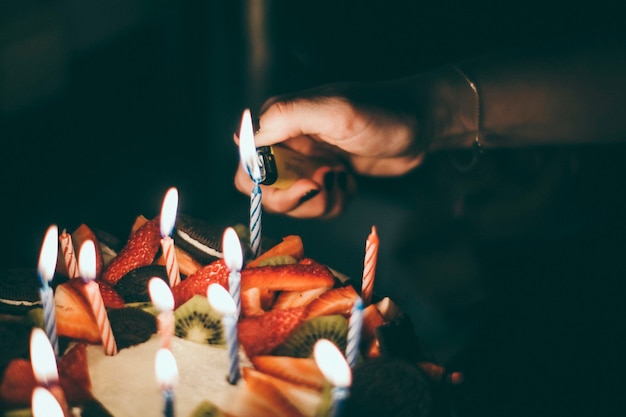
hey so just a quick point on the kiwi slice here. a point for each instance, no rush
(206, 409)
(198, 322)
(133, 286)
(301, 341)
(278, 260)
(131, 326)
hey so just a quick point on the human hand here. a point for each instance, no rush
(377, 129)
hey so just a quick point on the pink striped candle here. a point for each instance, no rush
(69, 255)
(163, 301)
(87, 267)
(168, 219)
(369, 266)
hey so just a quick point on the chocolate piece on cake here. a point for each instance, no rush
(200, 239)
(133, 286)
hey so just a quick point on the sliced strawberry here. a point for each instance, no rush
(18, 383)
(291, 245)
(371, 320)
(82, 234)
(291, 299)
(110, 297)
(198, 283)
(140, 250)
(335, 301)
(305, 275)
(74, 375)
(251, 303)
(300, 371)
(73, 313)
(260, 335)
(261, 385)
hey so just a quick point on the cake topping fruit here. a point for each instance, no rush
(140, 250)
(300, 371)
(260, 335)
(300, 342)
(197, 321)
(198, 283)
(305, 275)
(74, 315)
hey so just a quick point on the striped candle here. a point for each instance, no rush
(223, 303)
(87, 268)
(354, 332)
(45, 270)
(168, 220)
(233, 257)
(69, 255)
(250, 162)
(369, 266)
(163, 300)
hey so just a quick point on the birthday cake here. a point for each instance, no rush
(288, 303)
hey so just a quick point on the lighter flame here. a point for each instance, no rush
(42, 357)
(247, 148)
(165, 368)
(87, 260)
(168, 212)
(231, 246)
(332, 363)
(221, 300)
(161, 294)
(48, 254)
(44, 404)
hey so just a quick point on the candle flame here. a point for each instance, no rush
(44, 404)
(42, 357)
(165, 368)
(87, 260)
(231, 246)
(48, 254)
(332, 363)
(168, 211)
(221, 300)
(247, 148)
(161, 294)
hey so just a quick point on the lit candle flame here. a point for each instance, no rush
(87, 260)
(247, 148)
(44, 404)
(231, 246)
(332, 363)
(221, 300)
(166, 369)
(168, 212)
(48, 255)
(42, 357)
(161, 294)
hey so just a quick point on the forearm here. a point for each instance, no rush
(566, 97)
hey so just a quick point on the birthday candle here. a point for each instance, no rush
(369, 266)
(336, 370)
(250, 162)
(233, 257)
(223, 303)
(69, 255)
(168, 219)
(45, 270)
(87, 267)
(167, 376)
(44, 366)
(163, 300)
(354, 332)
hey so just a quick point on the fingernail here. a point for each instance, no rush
(329, 181)
(309, 195)
(342, 180)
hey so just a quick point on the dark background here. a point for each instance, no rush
(511, 273)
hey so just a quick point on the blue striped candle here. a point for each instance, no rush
(45, 271)
(354, 332)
